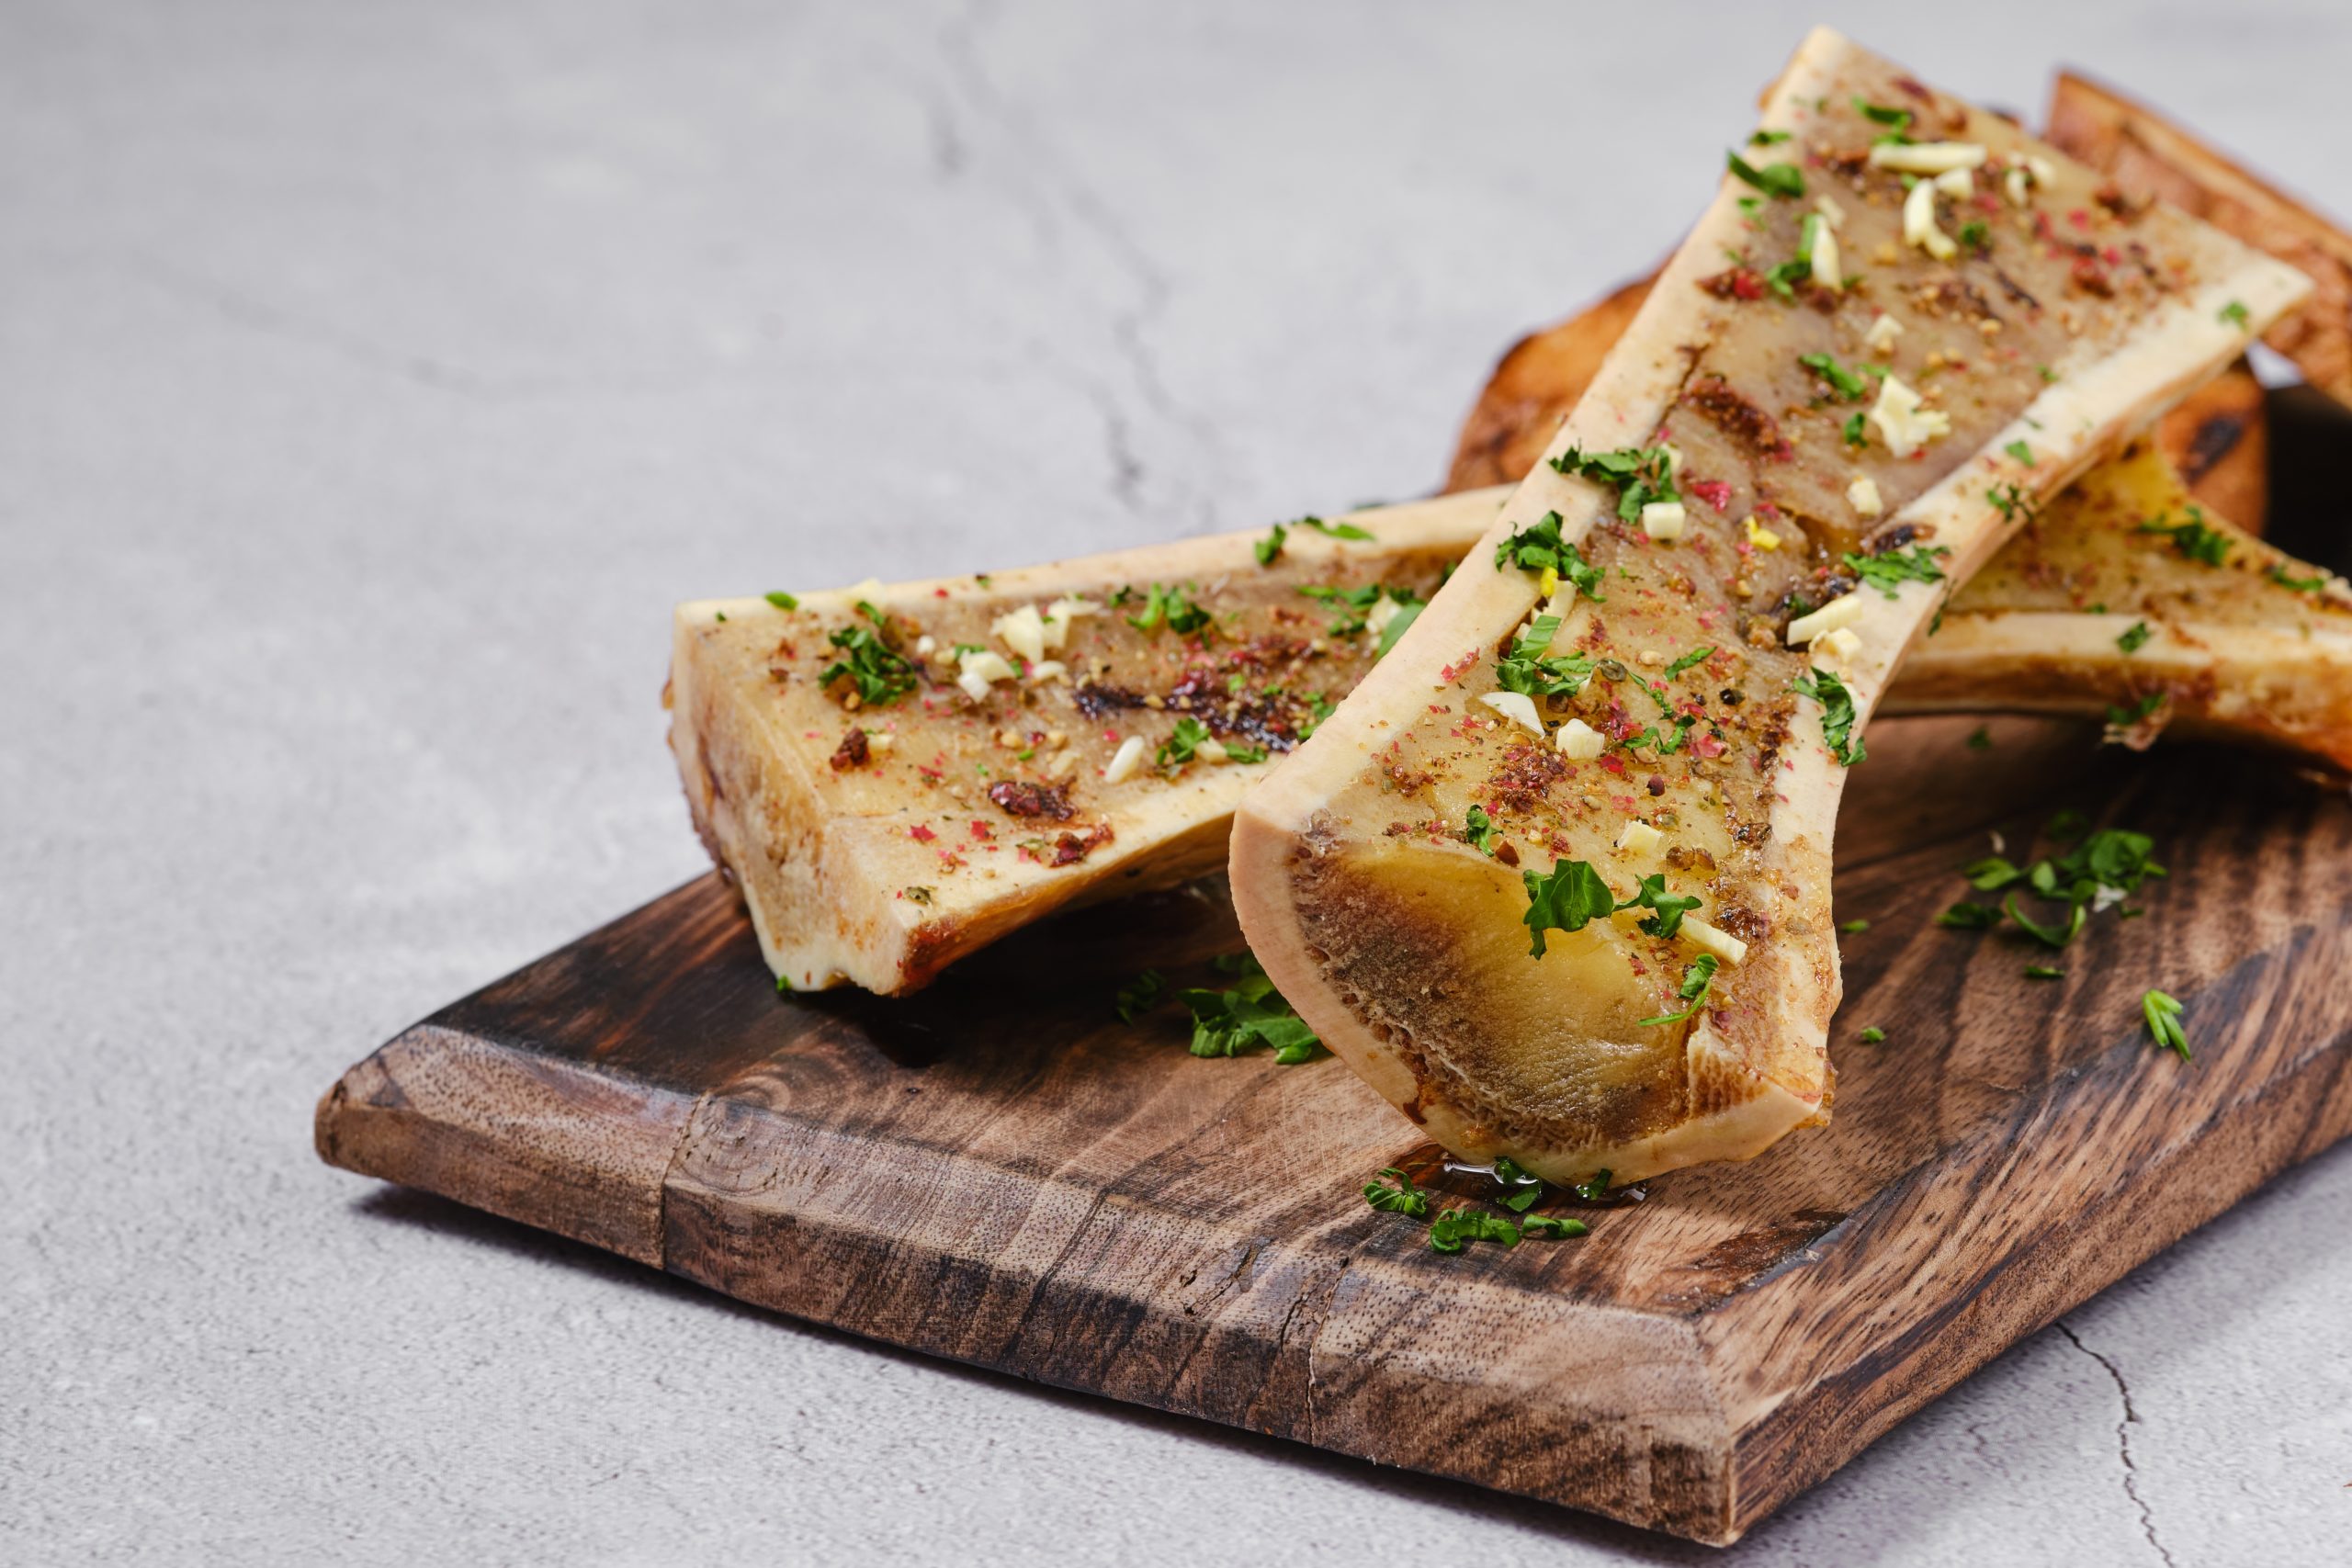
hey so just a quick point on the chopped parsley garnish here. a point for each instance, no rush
(880, 675)
(783, 601)
(1538, 547)
(1783, 278)
(1850, 384)
(1251, 1014)
(2048, 935)
(1139, 996)
(2234, 313)
(1992, 873)
(1651, 894)
(2045, 372)
(1333, 530)
(2163, 1014)
(1967, 916)
(1975, 235)
(2066, 827)
(1233, 753)
(1783, 180)
(1882, 114)
(1855, 928)
(1980, 738)
(1693, 991)
(1450, 1229)
(1696, 656)
(1593, 1187)
(1180, 746)
(1886, 572)
(1639, 475)
(1856, 434)
(1319, 708)
(1478, 831)
(2011, 502)
(1267, 549)
(1873, 1035)
(1837, 714)
(1402, 1198)
(1172, 606)
(1408, 610)
(2135, 639)
(1525, 669)
(1768, 138)
(2124, 718)
(2192, 539)
(2043, 972)
(1525, 1189)
(2021, 451)
(2277, 574)
(1567, 898)
(1549, 1227)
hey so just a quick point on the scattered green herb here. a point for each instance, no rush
(2124, 718)
(1837, 714)
(1886, 573)
(2163, 1014)
(1478, 831)
(1967, 916)
(1566, 898)
(2043, 972)
(1856, 435)
(1173, 607)
(880, 675)
(1980, 738)
(1593, 1187)
(1848, 384)
(1768, 138)
(1402, 1198)
(2136, 637)
(783, 601)
(1550, 1227)
(1139, 996)
(1784, 180)
(1454, 1227)
(1696, 980)
(1639, 475)
(1873, 1035)
(2192, 539)
(1250, 1014)
(1855, 928)
(2048, 935)
(1334, 530)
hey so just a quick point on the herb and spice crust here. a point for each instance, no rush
(1653, 671)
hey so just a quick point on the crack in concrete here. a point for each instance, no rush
(2124, 1440)
(1058, 187)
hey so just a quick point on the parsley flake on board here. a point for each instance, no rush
(1783, 180)
(1837, 715)
(2011, 502)
(1250, 1014)
(2124, 718)
(1880, 114)
(1768, 138)
(2163, 1014)
(1593, 1187)
(2043, 972)
(1873, 1035)
(1693, 992)
(1139, 996)
(1855, 928)
(1888, 572)
(1967, 916)
(878, 672)
(1980, 738)
(1548, 1227)
(1402, 1198)
(1524, 1189)
(1453, 1228)
(1408, 610)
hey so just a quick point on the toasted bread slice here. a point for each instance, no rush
(2217, 440)
(885, 818)
(1731, 494)
(2148, 156)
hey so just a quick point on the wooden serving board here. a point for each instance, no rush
(997, 1171)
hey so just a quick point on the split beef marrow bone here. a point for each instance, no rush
(1662, 1033)
(896, 775)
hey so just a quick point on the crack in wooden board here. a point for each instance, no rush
(997, 1171)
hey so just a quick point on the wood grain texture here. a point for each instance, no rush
(997, 1171)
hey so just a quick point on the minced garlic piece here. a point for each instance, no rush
(880, 740)
(1516, 707)
(1881, 338)
(1907, 425)
(1663, 520)
(1927, 157)
(1212, 751)
(1125, 760)
(977, 669)
(1831, 213)
(1919, 223)
(1824, 257)
(1639, 838)
(925, 646)
(1839, 612)
(1022, 630)
(1722, 943)
(1061, 613)
(1376, 619)
(1580, 742)
(1046, 670)
(1959, 183)
(1760, 537)
(1062, 765)
(1839, 646)
(1673, 457)
(2014, 184)
(1863, 497)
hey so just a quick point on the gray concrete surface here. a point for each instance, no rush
(372, 378)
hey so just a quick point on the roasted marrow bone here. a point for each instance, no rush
(895, 776)
(1653, 672)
